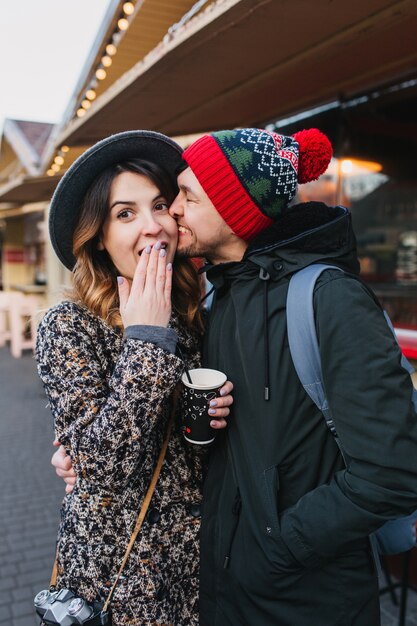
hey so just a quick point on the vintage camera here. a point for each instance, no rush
(64, 608)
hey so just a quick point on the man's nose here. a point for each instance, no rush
(176, 209)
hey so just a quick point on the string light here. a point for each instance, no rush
(106, 60)
(58, 161)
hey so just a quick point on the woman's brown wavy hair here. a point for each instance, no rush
(94, 274)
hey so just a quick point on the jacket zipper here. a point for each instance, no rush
(236, 508)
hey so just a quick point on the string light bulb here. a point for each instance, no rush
(111, 49)
(123, 23)
(90, 94)
(106, 60)
(81, 112)
(64, 149)
(128, 8)
(59, 160)
(50, 172)
(101, 73)
(55, 167)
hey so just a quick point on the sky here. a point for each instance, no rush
(43, 47)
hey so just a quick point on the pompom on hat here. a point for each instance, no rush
(251, 175)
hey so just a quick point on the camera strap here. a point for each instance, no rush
(143, 509)
(145, 505)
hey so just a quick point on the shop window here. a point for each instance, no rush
(384, 213)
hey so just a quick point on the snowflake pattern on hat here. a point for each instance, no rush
(265, 163)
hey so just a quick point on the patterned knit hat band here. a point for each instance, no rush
(251, 175)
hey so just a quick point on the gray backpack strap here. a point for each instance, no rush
(302, 337)
(396, 535)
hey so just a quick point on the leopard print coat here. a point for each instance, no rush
(109, 397)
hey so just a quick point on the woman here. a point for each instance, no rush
(110, 358)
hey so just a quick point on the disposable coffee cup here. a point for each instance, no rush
(205, 385)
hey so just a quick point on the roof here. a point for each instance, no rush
(35, 133)
(25, 190)
(22, 145)
(148, 25)
(243, 62)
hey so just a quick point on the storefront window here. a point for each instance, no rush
(384, 213)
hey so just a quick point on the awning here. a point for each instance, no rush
(243, 62)
(27, 190)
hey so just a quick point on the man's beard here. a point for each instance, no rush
(191, 252)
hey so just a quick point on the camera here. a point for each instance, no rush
(64, 608)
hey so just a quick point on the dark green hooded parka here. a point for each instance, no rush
(285, 526)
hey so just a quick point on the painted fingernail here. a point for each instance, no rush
(148, 249)
(223, 392)
(212, 411)
(169, 266)
(158, 245)
(213, 402)
(163, 252)
(120, 280)
(213, 423)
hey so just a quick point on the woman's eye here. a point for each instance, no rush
(124, 214)
(161, 206)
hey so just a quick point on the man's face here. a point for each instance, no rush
(202, 232)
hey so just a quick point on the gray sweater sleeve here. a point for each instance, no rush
(165, 338)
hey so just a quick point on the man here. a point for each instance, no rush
(285, 526)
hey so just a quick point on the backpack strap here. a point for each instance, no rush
(396, 535)
(302, 338)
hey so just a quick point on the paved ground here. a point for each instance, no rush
(30, 492)
(30, 495)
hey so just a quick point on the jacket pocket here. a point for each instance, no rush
(277, 551)
(236, 508)
(270, 495)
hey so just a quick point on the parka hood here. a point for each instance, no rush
(310, 232)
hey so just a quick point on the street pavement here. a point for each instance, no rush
(30, 496)
(30, 492)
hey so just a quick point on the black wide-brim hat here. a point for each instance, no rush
(66, 202)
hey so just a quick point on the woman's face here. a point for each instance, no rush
(138, 217)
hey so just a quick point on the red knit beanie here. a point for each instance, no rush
(251, 175)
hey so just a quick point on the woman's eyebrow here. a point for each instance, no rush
(130, 202)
